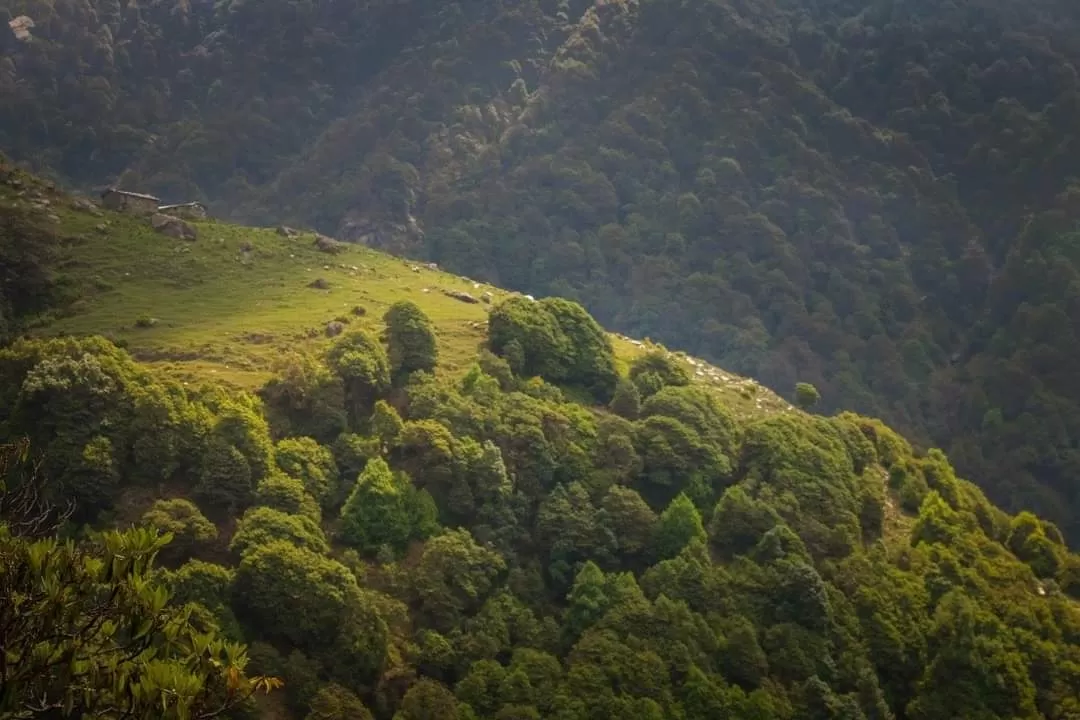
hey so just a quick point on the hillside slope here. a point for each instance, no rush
(849, 194)
(461, 510)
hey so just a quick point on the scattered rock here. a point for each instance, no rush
(246, 246)
(328, 244)
(486, 298)
(334, 328)
(173, 226)
(53, 217)
(286, 231)
(415, 269)
(432, 266)
(530, 297)
(86, 205)
(461, 295)
(319, 284)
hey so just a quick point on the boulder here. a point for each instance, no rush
(87, 206)
(286, 231)
(486, 298)
(328, 244)
(462, 296)
(319, 284)
(173, 227)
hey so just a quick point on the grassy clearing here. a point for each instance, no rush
(226, 306)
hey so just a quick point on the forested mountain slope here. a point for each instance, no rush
(434, 509)
(874, 197)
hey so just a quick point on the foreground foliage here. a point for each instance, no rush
(86, 632)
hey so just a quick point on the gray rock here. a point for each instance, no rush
(319, 284)
(334, 328)
(173, 227)
(86, 205)
(462, 296)
(286, 231)
(486, 298)
(328, 244)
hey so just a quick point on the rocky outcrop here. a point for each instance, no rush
(173, 227)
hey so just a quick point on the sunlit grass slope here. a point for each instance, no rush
(230, 303)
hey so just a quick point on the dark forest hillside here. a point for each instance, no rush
(878, 198)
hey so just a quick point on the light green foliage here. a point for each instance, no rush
(656, 370)
(806, 395)
(386, 423)
(679, 525)
(54, 610)
(361, 362)
(281, 492)
(411, 340)
(303, 458)
(182, 519)
(262, 525)
(300, 597)
(385, 509)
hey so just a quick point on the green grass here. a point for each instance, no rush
(229, 304)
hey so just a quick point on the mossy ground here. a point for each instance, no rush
(226, 306)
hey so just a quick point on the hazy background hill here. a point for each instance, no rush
(874, 197)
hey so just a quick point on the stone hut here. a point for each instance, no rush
(187, 211)
(130, 202)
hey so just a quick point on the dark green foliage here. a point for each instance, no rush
(305, 399)
(182, 520)
(556, 340)
(806, 395)
(411, 340)
(27, 259)
(361, 363)
(334, 702)
(626, 401)
(655, 370)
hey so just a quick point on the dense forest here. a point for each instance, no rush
(875, 197)
(554, 533)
